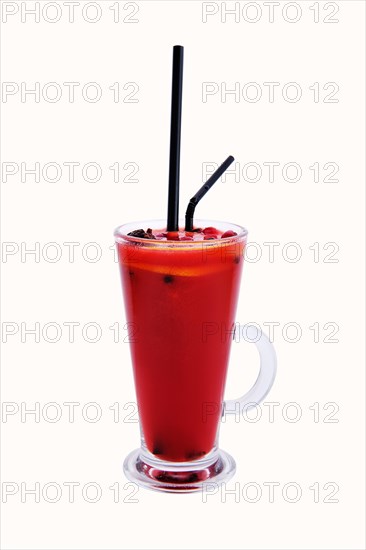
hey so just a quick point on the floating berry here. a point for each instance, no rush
(228, 234)
(172, 236)
(140, 233)
(209, 237)
(186, 238)
(210, 231)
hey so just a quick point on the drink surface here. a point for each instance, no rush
(199, 234)
(180, 307)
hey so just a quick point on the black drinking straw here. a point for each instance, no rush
(203, 190)
(175, 126)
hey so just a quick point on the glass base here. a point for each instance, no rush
(178, 477)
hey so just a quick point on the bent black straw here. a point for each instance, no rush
(203, 190)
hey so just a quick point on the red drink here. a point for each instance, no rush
(180, 299)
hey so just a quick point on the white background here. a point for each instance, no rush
(311, 290)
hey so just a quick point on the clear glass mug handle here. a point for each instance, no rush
(267, 370)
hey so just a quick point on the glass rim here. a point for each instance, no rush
(120, 233)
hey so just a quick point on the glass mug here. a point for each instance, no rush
(180, 301)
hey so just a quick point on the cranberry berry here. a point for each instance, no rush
(228, 234)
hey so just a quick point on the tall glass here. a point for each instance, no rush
(180, 300)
